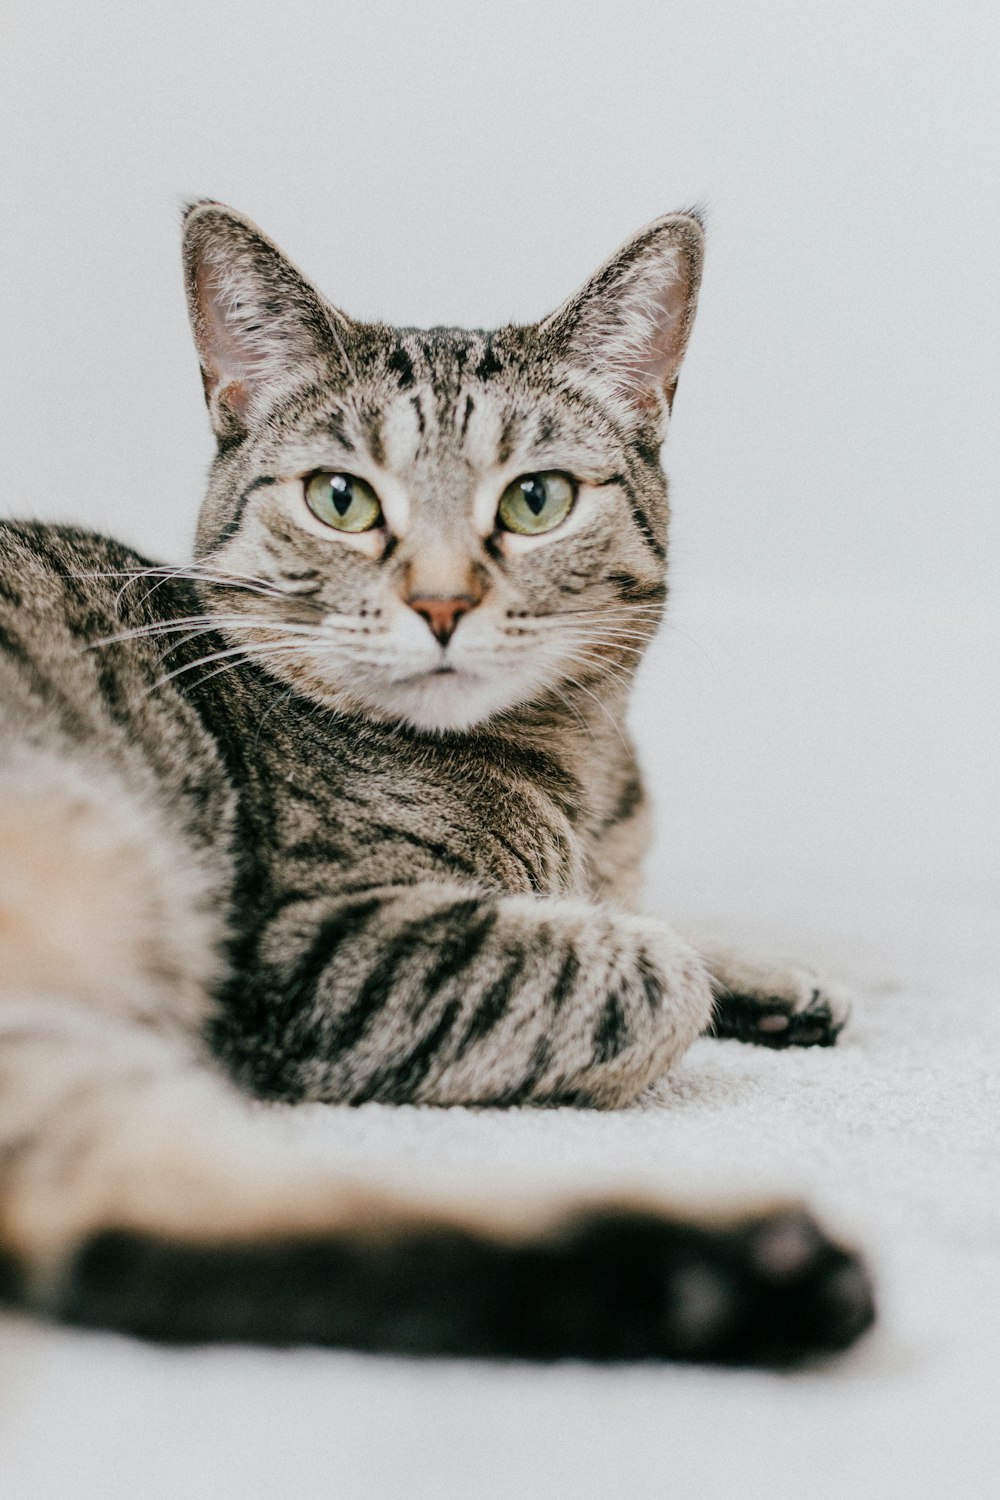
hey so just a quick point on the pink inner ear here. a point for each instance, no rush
(258, 324)
(657, 313)
(656, 362)
(217, 341)
(630, 323)
(236, 397)
(227, 362)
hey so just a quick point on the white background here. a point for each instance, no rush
(444, 162)
(820, 720)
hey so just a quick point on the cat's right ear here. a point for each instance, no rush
(261, 329)
(628, 326)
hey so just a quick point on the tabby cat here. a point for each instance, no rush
(345, 810)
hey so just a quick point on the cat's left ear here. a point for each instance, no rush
(261, 328)
(629, 324)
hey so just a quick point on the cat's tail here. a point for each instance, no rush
(140, 1192)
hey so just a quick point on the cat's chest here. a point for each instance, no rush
(367, 818)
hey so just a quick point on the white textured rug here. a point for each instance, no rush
(827, 780)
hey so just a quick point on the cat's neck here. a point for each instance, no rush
(582, 723)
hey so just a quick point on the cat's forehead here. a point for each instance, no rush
(452, 400)
(446, 394)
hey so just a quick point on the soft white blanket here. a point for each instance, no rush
(827, 784)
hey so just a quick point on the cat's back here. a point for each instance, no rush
(64, 589)
(87, 626)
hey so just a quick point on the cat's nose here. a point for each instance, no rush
(442, 615)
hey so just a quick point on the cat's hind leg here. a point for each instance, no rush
(138, 1192)
(602, 1283)
(773, 1004)
(102, 900)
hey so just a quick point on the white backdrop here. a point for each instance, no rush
(820, 720)
(439, 162)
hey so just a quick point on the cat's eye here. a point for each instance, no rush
(536, 502)
(343, 501)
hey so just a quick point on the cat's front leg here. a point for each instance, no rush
(442, 994)
(773, 1004)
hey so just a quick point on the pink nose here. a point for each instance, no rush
(442, 615)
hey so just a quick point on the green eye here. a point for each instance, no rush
(536, 503)
(343, 501)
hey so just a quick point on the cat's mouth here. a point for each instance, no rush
(445, 669)
(445, 696)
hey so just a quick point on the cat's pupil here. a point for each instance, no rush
(341, 493)
(533, 491)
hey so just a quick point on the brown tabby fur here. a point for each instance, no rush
(263, 833)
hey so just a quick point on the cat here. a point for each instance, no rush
(345, 810)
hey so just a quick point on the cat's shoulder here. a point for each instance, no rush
(47, 568)
(64, 549)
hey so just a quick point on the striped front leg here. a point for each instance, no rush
(441, 994)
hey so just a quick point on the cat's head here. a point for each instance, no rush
(437, 526)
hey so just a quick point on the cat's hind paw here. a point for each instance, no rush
(772, 1292)
(771, 1288)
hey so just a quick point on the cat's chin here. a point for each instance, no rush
(445, 702)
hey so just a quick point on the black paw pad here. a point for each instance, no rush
(770, 1021)
(788, 1293)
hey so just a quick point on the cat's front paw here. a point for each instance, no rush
(776, 1005)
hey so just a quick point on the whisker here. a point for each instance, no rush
(278, 702)
(624, 637)
(196, 570)
(605, 649)
(247, 585)
(345, 624)
(158, 627)
(575, 682)
(568, 703)
(208, 621)
(651, 611)
(583, 629)
(599, 664)
(287, 630)
(230, 666)
(194, 573)
(231, 651)
(597, 649)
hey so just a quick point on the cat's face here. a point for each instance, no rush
(436, 527)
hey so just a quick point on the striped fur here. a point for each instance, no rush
(263, 834)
